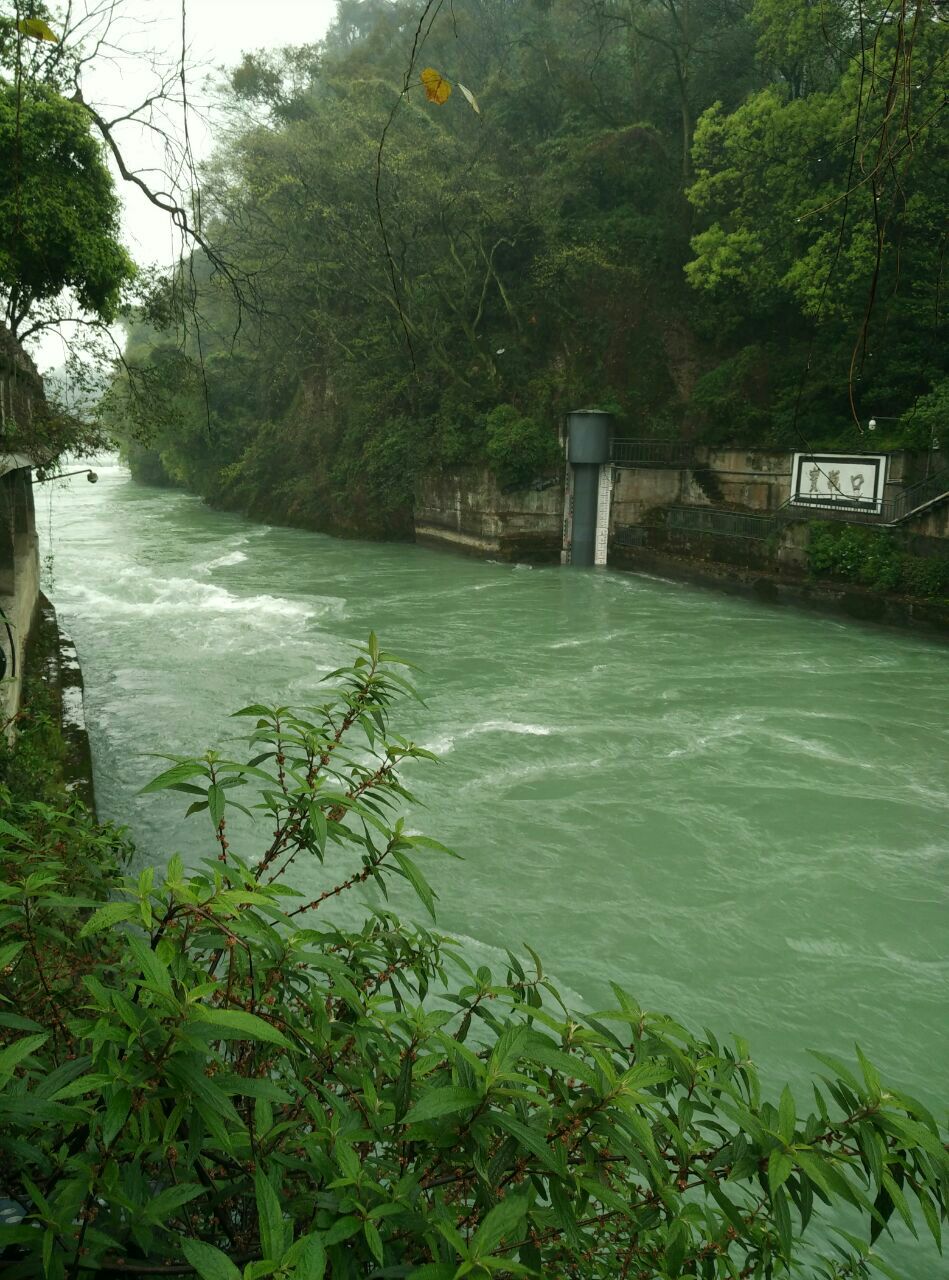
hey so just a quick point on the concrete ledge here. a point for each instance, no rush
(524, 548)
(929, 616)
(435, 535)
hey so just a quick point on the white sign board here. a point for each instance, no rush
(839, 480)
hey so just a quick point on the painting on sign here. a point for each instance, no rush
(838, 480)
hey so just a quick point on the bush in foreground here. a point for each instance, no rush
(200, 1073)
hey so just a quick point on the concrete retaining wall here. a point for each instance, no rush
(637, 491)
(467, 510)
(21, 394)
(19, 581)
(765, 584)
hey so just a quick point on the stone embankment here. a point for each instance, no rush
(709, 519)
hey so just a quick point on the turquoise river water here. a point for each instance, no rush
(738, 812)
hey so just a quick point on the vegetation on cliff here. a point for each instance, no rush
(718, 220)
(209, 1069)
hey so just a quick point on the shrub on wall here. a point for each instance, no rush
(519, 448)
(874, 558)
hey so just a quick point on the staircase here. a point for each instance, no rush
(920, 497)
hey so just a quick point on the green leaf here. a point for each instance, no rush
(208, 1262)
(442, 1102)
(896, 1195)
(780, 1165)
(839, 1068)
(403, 1087)
(532, 1139)
(153, 971)
(417, 880)
(217, 799)
(869, 1073)
(787, 1114)
(341, 1230)
(782, 1220)
(159, 1208)
(501, 1221)
(20, 836)
(111, 914)
(311, 1259)
(676, 1243)
(9, 953)
(932, 1218)
(234, 1024)
(19, 1022)
(16, 1052)
(273, 1229)
(116, 1114)
(374, 1241)
(177, 773)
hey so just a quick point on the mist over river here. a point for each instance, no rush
(738, 812)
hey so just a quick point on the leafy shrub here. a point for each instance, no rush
(203, 1070)
(873, 558)
(519, 449)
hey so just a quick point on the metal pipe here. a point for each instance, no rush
(586, 482)
(42, 478)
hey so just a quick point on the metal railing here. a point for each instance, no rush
(651, 453)
(919, 495)
(630, 535)
(732, 524)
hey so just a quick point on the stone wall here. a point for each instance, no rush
(21, 393)
(637, 491)
(757, 479)
(933, 523)
(467, 510)
(19, 578)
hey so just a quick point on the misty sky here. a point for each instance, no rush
(149, 32)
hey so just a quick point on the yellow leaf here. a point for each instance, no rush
(36, 29)
(437, 89)
(472, 100)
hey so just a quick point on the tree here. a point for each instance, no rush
(819, 214)
(59, 214)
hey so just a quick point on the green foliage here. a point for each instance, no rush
(874, 558)
(59, 215)
(209, 1068)
(519, 449)
(32, 770)
(639, 217)
(926, 425)
(536, 253)
(816, 245)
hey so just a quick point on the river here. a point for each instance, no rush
(736, 811)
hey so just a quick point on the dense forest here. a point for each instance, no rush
(721, 220)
